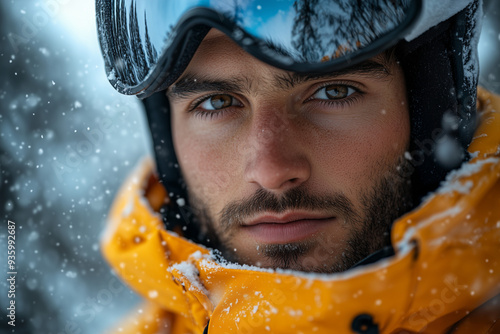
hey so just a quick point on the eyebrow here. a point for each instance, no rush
(369, 69)
(192, 84)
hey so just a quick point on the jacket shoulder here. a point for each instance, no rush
(483, 320)
(147, 318)
(150, 318)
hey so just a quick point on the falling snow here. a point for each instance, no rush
(61, 135)
(67, 142)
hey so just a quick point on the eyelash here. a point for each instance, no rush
(204, 113)
(341, 103)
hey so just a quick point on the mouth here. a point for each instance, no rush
(281, 229)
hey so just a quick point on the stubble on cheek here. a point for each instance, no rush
(365, 233)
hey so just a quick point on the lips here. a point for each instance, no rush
(284, 219)
(286, 228)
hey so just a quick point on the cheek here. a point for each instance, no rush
(356, 153)
(208, 168)
(386, 136)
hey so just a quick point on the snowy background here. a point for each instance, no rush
(67, 141)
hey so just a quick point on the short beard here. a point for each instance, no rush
(386, 201)
(287, 256)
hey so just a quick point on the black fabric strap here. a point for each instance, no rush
(178, 215)
(434, 74)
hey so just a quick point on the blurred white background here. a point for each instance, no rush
(67, 141)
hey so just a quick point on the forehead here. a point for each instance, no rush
(218, 55)
(217, 47)
(214, 33)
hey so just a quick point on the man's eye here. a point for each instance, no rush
(217, 102)
(333, 92)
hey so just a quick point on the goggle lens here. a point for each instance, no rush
(142, 39)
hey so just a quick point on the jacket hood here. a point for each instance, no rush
(446, 264)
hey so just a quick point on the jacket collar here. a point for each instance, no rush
(446, 262)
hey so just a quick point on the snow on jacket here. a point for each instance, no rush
(444, 278)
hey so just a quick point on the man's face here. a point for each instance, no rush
(286, 170)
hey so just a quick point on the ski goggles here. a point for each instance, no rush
(148, 44)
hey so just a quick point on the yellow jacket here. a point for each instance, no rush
(444, 278)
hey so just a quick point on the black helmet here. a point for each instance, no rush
(148, 44)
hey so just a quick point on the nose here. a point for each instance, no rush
(275, 158)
